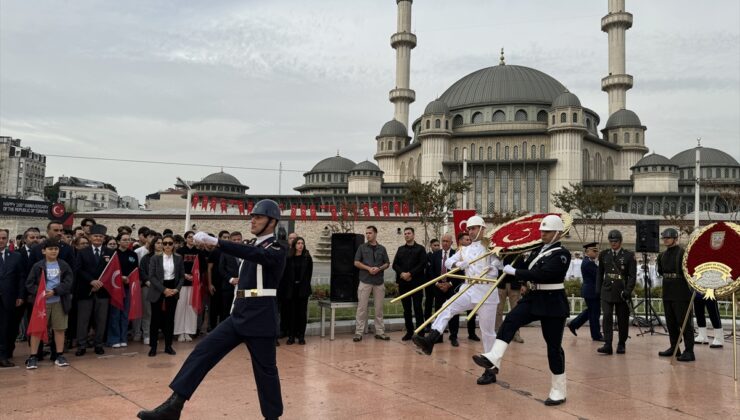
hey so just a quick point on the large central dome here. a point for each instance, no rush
(503, 84)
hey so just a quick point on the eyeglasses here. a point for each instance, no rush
(168, 243)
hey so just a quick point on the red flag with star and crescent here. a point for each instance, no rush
(111, 278)
(37, 325)
(135, 309)
(196, 299)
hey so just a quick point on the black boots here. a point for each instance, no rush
(668, 352)
(488, 377)
(426, 343)
(168, 410)
(686, 356)
(605, 349)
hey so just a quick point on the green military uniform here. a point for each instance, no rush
(616, 281)
(676, 298)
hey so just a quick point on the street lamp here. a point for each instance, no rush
(187, 203)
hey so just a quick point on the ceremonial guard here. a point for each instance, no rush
(589, 270)
(467, 300)
(544, 300)
(676, 296)
(252, 322)
(616, 281)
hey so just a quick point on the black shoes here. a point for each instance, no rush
(80, 351)
(473, 337)
(152, 352)
(571, 328)
(169, 350)
(488, 377)
(168, 410)
(302, 341)
(5, 363)
(550, 402)
(686, 356)
(620, 348)
(99, 350)
(605, 349)
(668, 352)
(483, 362)
(426, 344)
(408, 336)
(454, 342)
(290, 341)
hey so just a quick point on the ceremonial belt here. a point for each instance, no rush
(542, 254)
(670, 275)
(250, 293)
(614, 276)
(541, 286)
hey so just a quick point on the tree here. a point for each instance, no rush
(589, 206)
(51, 192)
(727, 194)
(434, 201)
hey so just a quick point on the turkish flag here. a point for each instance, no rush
(386, 209)
(345, 211)
(313, 212)
(241, 207)
(292, 212)
(250, 206)
(460, 218)
(333, 210)
(37, 325)
(213, 204)
(194, 200)
(281, 206)
(376, 212)
(196, 300)
(223, 205)
(366, 209)
(303, 212)
(134, 283)
(396, 208)
(111, 279)
(405, 209)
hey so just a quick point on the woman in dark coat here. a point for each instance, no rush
(298, 271)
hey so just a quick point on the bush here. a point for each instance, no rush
(572, 288)
(322, 291)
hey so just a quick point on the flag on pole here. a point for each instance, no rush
(111, 278)
(204, 203)
(292, 211)
(194, 201)
(313, 212)
(37, 325)
(196, 299)
(135, 309)
(303, 212)
(376, 212)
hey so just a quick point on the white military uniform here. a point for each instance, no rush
(471, 297)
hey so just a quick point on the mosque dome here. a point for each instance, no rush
(334, 164)
(623, 118)
(393, 128)
(566, 99)
(709, 157)
(437, 107)
(654, 160)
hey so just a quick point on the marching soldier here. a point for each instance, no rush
(252, 322)
(676, 296)
(616, 281)
(544, 300)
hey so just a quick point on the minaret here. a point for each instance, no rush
(618, 81)
(403, 41)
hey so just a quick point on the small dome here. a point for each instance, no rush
(220, 178)
(437, 107)
(393, 128)
(366, 165)
(654, 160)
(334, 164)
(709, 157)
(623, 118)
(566, 99)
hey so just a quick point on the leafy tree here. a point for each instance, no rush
(51, 193)
(434, 201)
(589, 206)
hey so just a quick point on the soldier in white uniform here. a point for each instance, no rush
(470, 298)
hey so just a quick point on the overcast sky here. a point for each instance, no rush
(256, 83)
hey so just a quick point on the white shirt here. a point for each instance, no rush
(469, 253)
(262, 238)
(169, 267)
(141, 251)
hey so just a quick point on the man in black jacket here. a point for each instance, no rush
(445, 287)
(11, 296)
(409, 264)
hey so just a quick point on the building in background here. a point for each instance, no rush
(85, 195)
(22, 171)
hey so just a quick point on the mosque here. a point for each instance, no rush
(519, 135)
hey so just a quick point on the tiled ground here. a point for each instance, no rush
(388, 380)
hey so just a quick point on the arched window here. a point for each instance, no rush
(477, 118)
(614, 138)
(534, 152)
(542, 151)
(478, 189)
(649, 208)
(575, 117)
(506, 153)
(553, 118)
(530, 191)
(598, 173)
(542, 116)
(634, 208)
(609, 168)
(381, 145)
(640, 207)
(563, 117)
(524, 150)
(428, 124)
(543, 191)
(490, 153)
(411, 168)
(472, 151)
(398, 145)
(504, 188)
(480, 153)
(491, 191)
(453, 176)
(457, 121)
(390, 144)
(499, 116)
(588, 124)
(465, 153)
(437, 123)
(656, 208)
(586, 165)
(637, 138)
(418, 166)
(516, 152)
(520, 115)
(626, 138)
(517, 190)
(454, 154)
(498, 151)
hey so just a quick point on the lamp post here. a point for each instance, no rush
(697, 185)
(187, 203)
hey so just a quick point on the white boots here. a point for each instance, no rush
(492, 359)
(719, 338)
(702, 337)
(557, 390)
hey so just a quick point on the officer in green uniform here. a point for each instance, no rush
(676, 296)
(616, 280)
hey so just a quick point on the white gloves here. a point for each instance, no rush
(508, 269)
(462, 265)
(204, 238)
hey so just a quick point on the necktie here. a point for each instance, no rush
(444, 259)
(97, 253)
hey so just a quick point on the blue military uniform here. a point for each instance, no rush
(253, 322)
(590, 294)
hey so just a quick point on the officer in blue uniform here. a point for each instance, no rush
(544, 300)
(589, 293)
(253, 320)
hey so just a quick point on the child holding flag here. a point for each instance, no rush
(50, 281)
